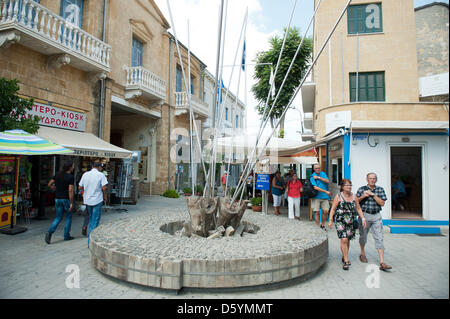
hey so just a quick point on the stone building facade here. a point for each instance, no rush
(432, 49)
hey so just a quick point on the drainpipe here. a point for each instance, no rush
(168, 117)
(102, 82)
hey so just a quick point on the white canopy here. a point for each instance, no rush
(245, 143)
(306, 160)
(83, 144)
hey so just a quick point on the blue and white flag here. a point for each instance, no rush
(272, 83)
(243, 57)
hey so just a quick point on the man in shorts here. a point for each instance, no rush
(320, 182)
(372, 198)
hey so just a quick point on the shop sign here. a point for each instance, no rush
(263, 182)
(93, 153)
(56, 117)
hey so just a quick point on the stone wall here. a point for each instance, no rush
(65, 87)
(432, 39)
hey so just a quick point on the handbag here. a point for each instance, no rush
(355, 224)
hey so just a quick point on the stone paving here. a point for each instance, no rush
(29, 268)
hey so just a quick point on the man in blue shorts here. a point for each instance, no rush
(320, 182)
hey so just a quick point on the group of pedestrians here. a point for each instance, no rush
(92, 186)
(346, 208)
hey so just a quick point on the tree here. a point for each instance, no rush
(262, 72)
(13, 109)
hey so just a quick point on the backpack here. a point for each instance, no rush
(308, 189)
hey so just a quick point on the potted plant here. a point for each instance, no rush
(199, 190)
(256, 204)
(171, 193)
(187, 191)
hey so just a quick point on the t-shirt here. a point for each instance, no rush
(92, 182)
(399, 186)
(294, 188)
(224, 179)
(62, 185)
(320, 184)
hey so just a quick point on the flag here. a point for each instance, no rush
(219, 90)
(272, 83)
(243, 57)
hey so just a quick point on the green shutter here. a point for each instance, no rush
(370, 87)
(360, 21)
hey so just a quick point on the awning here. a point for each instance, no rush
(83, 144)
(399, 126)
(306, 160)
(246, 144)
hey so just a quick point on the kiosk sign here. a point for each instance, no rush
(60, 118)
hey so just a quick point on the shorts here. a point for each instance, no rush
(318, 203)
(277, 200)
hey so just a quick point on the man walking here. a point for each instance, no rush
(62, 184)
(93, 184)
(372, 198)
(320, 182)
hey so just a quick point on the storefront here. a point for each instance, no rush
(87, 148)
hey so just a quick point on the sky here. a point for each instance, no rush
(266, 18)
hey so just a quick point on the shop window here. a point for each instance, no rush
(364, 18)
(137, 51)
(371, 87)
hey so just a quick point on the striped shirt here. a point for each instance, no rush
(369, 205)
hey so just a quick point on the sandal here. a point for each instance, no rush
(346, 266)
(384, 266)
(343, 261)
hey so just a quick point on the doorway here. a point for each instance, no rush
(406, 182)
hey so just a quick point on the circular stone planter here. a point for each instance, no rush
(147, 251)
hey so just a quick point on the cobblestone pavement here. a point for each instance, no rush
(29, 268)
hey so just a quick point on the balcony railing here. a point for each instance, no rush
(143, 82)
(182, 104)
(46, 32)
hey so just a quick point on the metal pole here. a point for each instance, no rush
(301, 84)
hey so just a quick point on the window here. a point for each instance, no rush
(179, 86)
(226, 114)
(370, 87)
(192, 85)
(237, 121)
(364, 18)
(137, 50)
(72, 11)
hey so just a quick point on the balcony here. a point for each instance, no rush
(141, 82)
(182, 106)
(34, 26)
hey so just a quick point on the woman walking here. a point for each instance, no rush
(294, 188)
(277, 191)
(346, 208)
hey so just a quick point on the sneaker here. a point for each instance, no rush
(69, 238)
(48, 237)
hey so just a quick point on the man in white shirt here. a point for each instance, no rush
(93, 184)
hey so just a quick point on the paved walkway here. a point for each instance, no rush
(29, 268)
